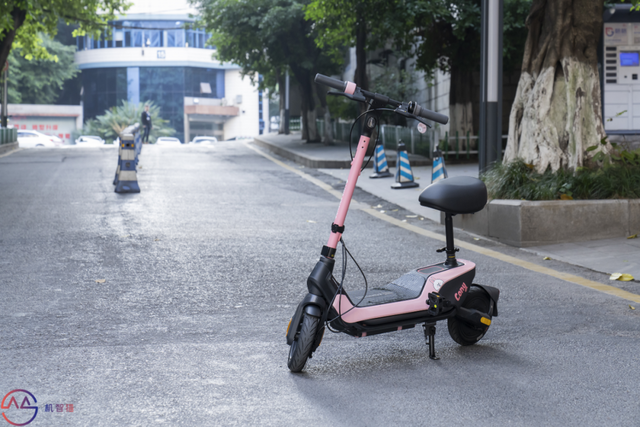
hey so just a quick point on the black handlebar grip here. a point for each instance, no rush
(417, 110)
(331, 82)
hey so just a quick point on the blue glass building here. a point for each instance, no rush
(159, 57)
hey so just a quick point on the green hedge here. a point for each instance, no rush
(518, 180)
(8, 135)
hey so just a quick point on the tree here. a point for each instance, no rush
(269, 37)
(365, 24)
(40, 81)
(396, 84)
(21, 21)
(447, 38)
(556, 115)
(109, 125)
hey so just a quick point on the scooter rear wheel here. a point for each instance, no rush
(301, 347)
(460, 331)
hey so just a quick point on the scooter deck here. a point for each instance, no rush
(406, 287)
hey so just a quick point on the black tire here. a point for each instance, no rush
(462, 332)
(301, 347)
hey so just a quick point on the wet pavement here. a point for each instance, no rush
(615, 255)
(169, 307)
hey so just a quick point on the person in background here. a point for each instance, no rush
(146, 123)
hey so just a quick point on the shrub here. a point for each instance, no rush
(614, 179)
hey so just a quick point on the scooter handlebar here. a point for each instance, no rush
(414, 108)
(417, 110)
(331, 82)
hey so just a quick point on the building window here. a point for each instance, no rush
(175, 38)
(147, 34)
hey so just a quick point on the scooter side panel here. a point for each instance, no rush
(351, 314)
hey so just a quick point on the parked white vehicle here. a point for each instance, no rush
(89, 141)
(56, 140)
(204, 140)
(168, 141)
(32, 139)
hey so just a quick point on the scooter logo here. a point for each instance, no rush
(19, 415)
(464, 288)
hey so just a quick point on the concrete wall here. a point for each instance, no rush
(237, 89)
(524, 223)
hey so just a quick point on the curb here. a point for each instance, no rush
(6, 148)
(327, 164)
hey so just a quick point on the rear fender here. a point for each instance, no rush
(494, 294)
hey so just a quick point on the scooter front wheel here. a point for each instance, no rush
(460, 331)
(301, 347)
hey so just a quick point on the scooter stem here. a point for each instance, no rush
(371, 121)
(347, 194)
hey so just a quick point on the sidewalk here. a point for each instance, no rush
(608, 256)
(319, 155)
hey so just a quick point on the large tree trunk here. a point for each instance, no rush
(460, 106)
(282, 94)
(360, 77)
(17, 16)
(328, 129)
(307, 104)
(557, 113)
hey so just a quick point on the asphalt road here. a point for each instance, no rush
(202, 271)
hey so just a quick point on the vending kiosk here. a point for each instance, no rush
(620, 70)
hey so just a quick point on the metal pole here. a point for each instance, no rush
(4, 96)
(490, 135)
(286, 103)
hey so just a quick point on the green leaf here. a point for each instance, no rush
(40, 81)
(593, 147)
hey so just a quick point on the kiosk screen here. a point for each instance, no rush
(629, 59)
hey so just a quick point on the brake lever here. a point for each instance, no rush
(405, 113)
(355, 97)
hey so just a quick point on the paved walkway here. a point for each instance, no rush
(619, 255)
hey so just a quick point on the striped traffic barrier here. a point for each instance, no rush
(438, 170)
(380, 166)
(115, 179)
(404, 175)
(127, 176)
(134, 130)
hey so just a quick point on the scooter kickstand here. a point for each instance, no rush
(429, 335)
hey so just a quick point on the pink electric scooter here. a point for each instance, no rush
(424, 295)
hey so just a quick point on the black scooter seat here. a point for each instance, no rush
(456, 195)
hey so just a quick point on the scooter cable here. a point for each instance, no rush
(351, 132)
(346, 251)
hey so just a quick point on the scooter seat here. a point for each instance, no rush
(456, 195)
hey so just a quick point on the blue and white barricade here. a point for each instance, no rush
(404, 175)
(438, 170)
(380, 166)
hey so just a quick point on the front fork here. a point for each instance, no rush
(321, 287)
